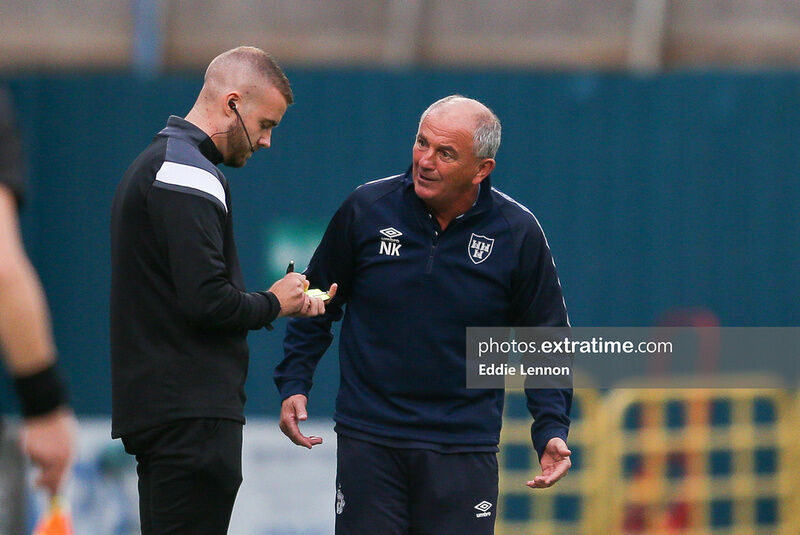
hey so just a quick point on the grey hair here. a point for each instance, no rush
(487, 134)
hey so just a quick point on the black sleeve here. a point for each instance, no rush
(12, 165)
(192, 227)
(539, 302)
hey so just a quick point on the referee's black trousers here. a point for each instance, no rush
(189, 473)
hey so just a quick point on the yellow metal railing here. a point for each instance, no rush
(573, 504)
(661, 462)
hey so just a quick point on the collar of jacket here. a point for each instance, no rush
(181, 128)
(482, 204)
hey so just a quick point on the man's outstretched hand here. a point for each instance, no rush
(293, 411)
(555, 463)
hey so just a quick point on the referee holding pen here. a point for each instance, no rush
(179, 310)
(419, 257)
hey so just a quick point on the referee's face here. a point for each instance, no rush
(259, 115)
(445, 170)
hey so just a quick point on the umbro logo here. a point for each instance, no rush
(390, 245)
(483, 507)
(391, 232)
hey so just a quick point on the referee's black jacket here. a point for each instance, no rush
(179, 312)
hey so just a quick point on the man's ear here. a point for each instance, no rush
(484, 169)
(230, 101)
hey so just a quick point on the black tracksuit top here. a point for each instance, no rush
(179, 310)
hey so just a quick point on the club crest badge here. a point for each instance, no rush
(480, 247)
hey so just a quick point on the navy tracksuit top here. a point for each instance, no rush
(410, 291)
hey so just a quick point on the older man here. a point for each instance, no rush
(420, 257)
(179, 311)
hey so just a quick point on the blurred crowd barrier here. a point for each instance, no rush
(180, 34)
(658, 462)
(645, 462)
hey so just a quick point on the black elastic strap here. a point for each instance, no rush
(41, 393)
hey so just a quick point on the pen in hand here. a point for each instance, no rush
(311, 292)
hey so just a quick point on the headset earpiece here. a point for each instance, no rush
(232, 105)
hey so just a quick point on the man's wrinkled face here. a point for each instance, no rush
(444, 164)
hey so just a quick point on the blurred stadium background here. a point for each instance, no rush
(656, 141)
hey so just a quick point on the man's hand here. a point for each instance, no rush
(314, 306)
(290, 291)
(293, 410)
(555, 463)
(332, 291)
(49, 441)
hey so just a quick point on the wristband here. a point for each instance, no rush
(41, 393)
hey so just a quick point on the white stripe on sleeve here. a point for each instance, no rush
(188, 176)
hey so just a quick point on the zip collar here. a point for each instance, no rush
(482, 204)
(180, 128)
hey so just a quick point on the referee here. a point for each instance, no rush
(179, 310)
(419, 257)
